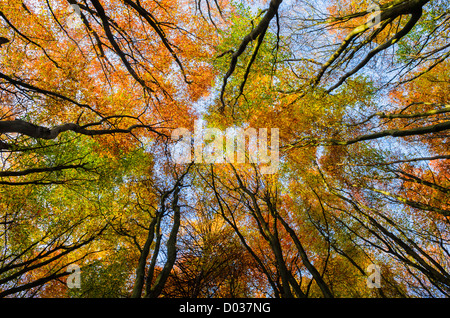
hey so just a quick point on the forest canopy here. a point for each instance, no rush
(348, 99)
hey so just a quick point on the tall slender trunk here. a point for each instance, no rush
(157, 288)
(140, 271)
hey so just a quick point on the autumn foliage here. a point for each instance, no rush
(92, 90)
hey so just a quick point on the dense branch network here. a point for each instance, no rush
(388, 13)
(257, 33)
(337, 205)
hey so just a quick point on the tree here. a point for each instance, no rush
(91, 92)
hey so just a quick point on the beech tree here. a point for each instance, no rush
(91, 92)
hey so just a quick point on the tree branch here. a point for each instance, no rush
(253, 35)
(37, 170)
(25, 128)
(395, 133)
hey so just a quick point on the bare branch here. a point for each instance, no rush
(259, 30)
(40, 132)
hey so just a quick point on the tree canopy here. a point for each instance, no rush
(91, 92)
